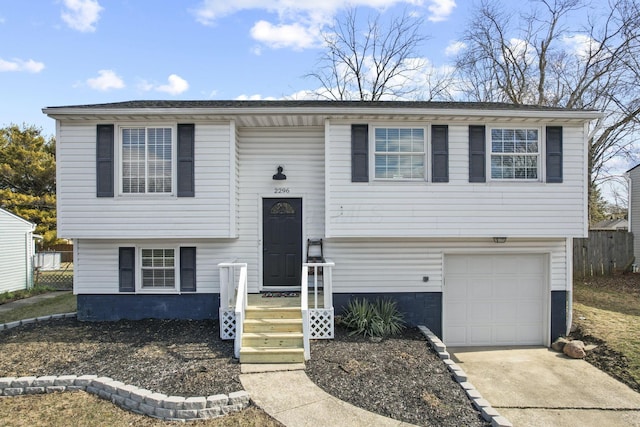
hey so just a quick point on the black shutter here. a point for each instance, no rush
(127, 267)
(440, 153)
(186, 176)
(104, 160)
(359, 153)
(477, 149)
(554, 154)
(188, 269)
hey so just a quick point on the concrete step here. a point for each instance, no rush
(271, 355)
(272, 325)
(273, 313)
(272, 339)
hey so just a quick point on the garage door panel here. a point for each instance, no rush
(480, 288)
(479, 312)
(478, 335)
(496, 299)
(505, 334)
(505, 311)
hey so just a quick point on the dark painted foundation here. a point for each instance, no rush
(95, 308)
(559, 310)
(419, 308)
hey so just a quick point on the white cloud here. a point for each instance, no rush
(440, 9)
(255, 97)
(30, 66)
(175, 85)
(81, 15)
(106, 80)
(454, 48)
(581, 45)
(295, 35)
(299, 23)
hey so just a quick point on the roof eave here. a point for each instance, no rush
(586, 115)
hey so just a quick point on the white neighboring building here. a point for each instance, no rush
(464, 213)
(16, 252)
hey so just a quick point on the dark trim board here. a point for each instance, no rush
(419, 308)
(112, 307)
(559, 309)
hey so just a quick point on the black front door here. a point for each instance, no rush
(281, 242)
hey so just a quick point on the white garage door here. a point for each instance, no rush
(494, 300)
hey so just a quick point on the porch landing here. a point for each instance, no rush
(259, 300)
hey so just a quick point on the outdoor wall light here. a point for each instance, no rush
(499, 239)
(280, 176)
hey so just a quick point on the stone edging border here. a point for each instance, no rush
(486, 410)
(132, 398)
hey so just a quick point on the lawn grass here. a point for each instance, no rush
(65, 303)
(58, 409)
(6, 297)
(609, 309)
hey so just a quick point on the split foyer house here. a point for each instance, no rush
(463, 213)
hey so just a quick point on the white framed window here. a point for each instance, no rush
(515, 154)
(399, 153)
(158, 269)
(146, 160)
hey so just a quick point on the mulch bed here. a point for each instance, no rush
(399, 377)
(175, 357)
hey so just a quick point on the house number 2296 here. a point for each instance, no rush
(281, 190)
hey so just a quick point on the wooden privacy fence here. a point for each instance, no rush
(602, 253)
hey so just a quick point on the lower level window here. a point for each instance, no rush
(158, 269)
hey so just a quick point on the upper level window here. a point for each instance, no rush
(515, 154)
(399, 153)
(146, 160)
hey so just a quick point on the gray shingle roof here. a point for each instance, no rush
(151, 104)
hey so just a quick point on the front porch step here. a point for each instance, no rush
(272, 339)
(271, 355)
(273, 313)
(272, 325)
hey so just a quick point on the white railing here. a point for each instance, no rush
(317, 322)
(233, 301)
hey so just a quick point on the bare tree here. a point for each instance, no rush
(378, 62)
(535, 58)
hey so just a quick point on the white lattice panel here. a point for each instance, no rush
(321, 323)
(227, 324)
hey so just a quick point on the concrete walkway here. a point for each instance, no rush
(290, 397)
(539, 387)
(4, 308)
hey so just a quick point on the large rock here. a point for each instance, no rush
(558, 345)
(575, 349)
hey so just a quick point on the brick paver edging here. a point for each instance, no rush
(488, 412)
(132, 398)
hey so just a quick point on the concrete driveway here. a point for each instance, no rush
(539, 387)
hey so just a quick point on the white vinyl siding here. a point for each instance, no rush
(16, 252)
(390, 265)
(300, 150)
(634, 210)
(457, 208)
(83, 215)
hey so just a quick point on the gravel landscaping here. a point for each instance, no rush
(398, 377)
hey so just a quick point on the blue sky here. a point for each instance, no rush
(65, 52)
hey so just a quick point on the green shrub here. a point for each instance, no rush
(378, 319)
